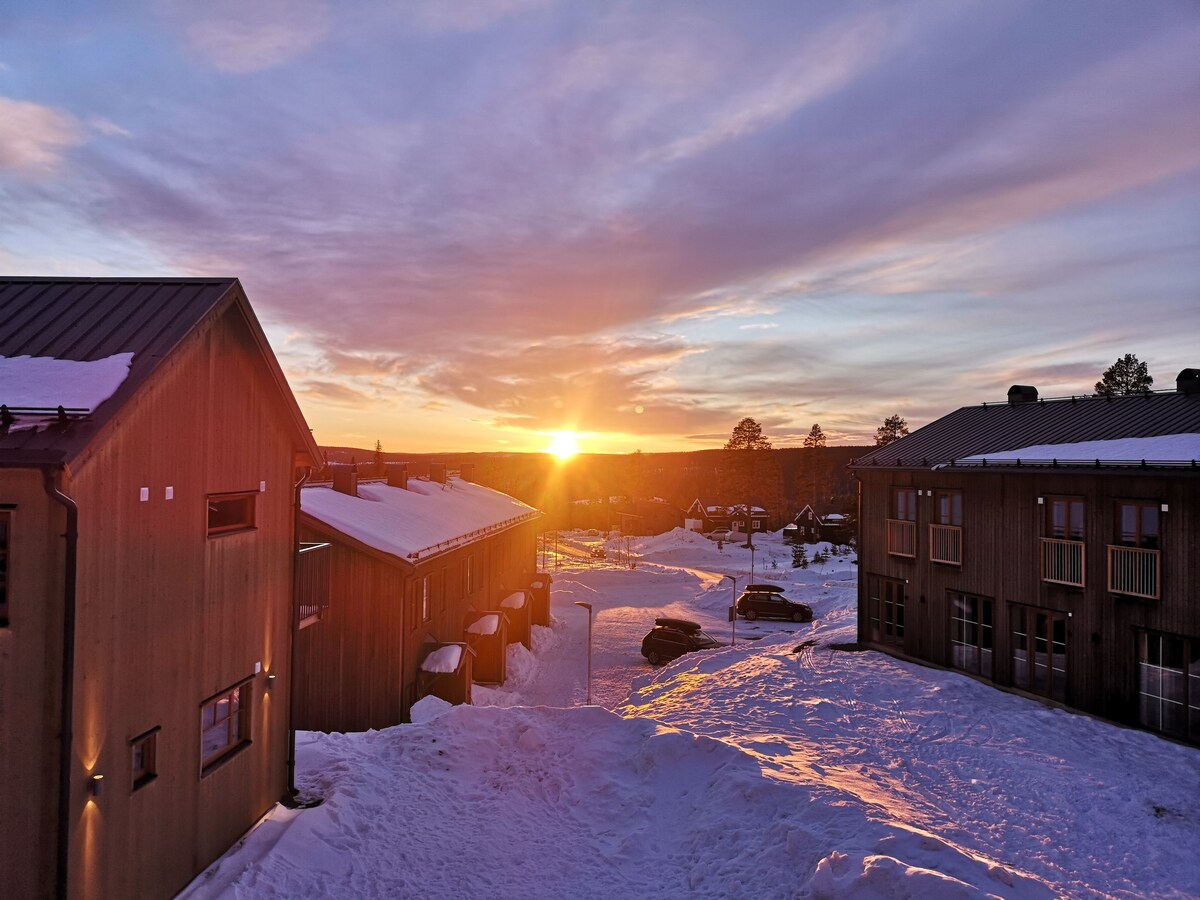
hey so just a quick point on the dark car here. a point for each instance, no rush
(671, 638)
(767, 601)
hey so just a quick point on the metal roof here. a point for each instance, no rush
(88, 319)
(997, 427)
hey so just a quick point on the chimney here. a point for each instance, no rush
(466, 471)
(1022, 393)
(437, 472)
(397, 474)
(1188, 381)
(418, 469)
(345, 478)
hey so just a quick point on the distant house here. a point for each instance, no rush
(412, 563)
(149, 445)
(1046, 546)
(705, 515)
(805, 527)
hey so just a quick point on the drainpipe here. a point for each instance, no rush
(67, 708)
(291, 760)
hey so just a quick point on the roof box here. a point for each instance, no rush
(680, 624)
(1022, 393)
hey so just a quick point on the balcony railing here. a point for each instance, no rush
(312, 582)
(901, 537)
(945, 544)
(1062, 562)
(1133, 571)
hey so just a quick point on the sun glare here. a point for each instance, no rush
(565, 445)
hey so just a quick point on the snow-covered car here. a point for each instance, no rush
(720, 534)
(767, 601)
(671, 638)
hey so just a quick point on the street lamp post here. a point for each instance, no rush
(732, 609)
(588, 607)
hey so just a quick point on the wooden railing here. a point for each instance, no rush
(945, 544)
(1062, 562)
(901, 537)
(312, 582)
(1133, 571)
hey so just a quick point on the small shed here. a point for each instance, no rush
(539, 589)
(446, 672)
(487, 636)
(517, 607)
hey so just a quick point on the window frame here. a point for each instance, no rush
(425, 599)
(885, 610)
(978, 622)
(147, 771)
(1140, 508)
(953, 515)
(238, 523)
(1068, 502)
(1187, 687)
(903, 499)
(241, 717)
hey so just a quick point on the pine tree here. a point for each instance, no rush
(747, 435)
(816, 437)
(799, 557)
(1128, 375)
(892, 429)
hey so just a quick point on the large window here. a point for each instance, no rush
(902, 522)
(1169, 684)
(1133, 557)
(5, 532)
(885, 609)
(224, 725)
(230, 513)
(1039, 651)
(945, 531)
(1063, 550)
(971, 633)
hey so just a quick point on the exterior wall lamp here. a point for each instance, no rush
(96, 785)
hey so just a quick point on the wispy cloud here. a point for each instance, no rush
(240, 38)
(34, 138)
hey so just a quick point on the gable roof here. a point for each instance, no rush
(1000, 428)
(416, 522)
(95, 319)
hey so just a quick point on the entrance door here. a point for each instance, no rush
(1039, 651)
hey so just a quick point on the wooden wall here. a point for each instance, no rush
(1002, 525)
(168, 617)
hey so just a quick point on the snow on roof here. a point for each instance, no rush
(426, 518)
(1166, 449)
(443, 660)
(42, 382)
(515, 600)
(488, 624)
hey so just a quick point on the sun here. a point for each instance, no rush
(565, 445)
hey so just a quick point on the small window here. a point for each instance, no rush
(948, 508)
(469, 575)
(1136, 524)
(904, 504)
(229, 513)
(5, 530)
(224, 725)
(426, 611)
(1064, 518)
(143, 758)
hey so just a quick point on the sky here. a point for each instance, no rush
(474, 225)
(775, 768)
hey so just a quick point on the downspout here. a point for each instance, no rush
(292, 680)
(67, 707)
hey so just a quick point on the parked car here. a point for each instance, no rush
(671, 638)
(719, 534)
(767, 600)
(598, 552)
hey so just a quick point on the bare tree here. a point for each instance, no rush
(1128, 375)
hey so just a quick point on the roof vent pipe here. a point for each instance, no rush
(1022, 393)
(1188, 381)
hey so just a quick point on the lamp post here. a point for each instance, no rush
(588, 607)
(732, 609)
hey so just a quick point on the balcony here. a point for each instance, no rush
(312, 582)
(1133, 572)
(1062, 562)
(945, 544)
(902, 538)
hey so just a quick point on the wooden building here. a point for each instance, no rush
(1047, 546)
(411, 561)
(149, 446)
(705, 515)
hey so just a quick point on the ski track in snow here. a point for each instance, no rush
(777, 767)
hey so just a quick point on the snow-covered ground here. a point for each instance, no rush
(777, 767)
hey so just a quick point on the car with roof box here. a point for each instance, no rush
(768, 602)
(671, 638)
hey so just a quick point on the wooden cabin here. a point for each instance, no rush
(1050, 547)
(705, 515)
(410, 559)
(149, 446)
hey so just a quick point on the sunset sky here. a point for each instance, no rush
(471, 225)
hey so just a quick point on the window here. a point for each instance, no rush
(439, 586)
(469, 575)
(902, 524)
(1169, 684)
(947, 508)
(1136, 524)
(224, 725)
(971, 634)
(5, 531)
(1064, 518)
(885, 609)
(945, 531)
(1039, 651)
(142, 757)
(426, 607)
(904, 504)
(230, 513)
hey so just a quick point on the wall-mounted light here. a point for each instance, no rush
(96, 785)
(270, 680)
